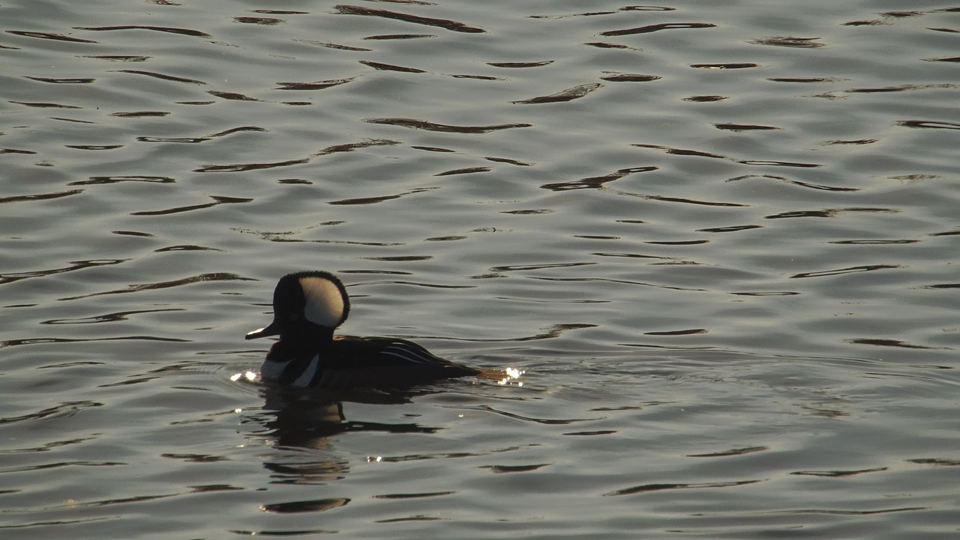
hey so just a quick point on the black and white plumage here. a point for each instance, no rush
(307, 308)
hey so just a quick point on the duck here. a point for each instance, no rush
(308, 307)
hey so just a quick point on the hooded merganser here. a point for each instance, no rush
(307, 308)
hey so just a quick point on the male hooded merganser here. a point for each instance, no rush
(307, 307)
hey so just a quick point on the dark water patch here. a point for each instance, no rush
(94, 146)
(543, 421)
(766, 293)
(443, 128)
(569, 94)
(217, 200)
(396, 496)
(596, 182)
(676, 242)
(232, 96)
(401, 258)
(468, 170)
(185, 247)
(553, 332)
(71, 120)
(264, 21)
(418, 517)
(336, 46)
(859, 512)
(604, 45)
(279, 12)
(849, 270)
(297, 507)
(805, 80)
(855, 142)
(64, 409)
(830, 212)
(453, 26)
(15, 151)
(800, 183)
(705, 99)
(873, 242)
(529, 212)
(656, 28)
(478, 77)
(196, 140)
(686, 332)
(879, 342)
(514, 468)
(195, 458)
(374, 200)
(213, 488)
(165, 29)
(647, 488)
(318, 85)
(47, 341)
(623, 281)
(56, 523)
(49, 35)
(520, 64)
(928, 124)
(680, 151)
(74, 265)
(54, 444)
(595, 433)
(444, 238)
(508, 160)
(689, 201)
(731, 65)
(295, 181)
(606, 12)
(350, 147)
(244, 167)
(59, 465)
(771, 163)
(743, 127)
(109, 317)
(282, 533)
(140, 114)
(936, 462)
(390, 67)
(161, 76)
(953, 59)
(730, 228)
(789, 41)
(120, 58)
(864, 23)
(838, 474)
(216, 276)
(942, 286)
(901, 88)
(44, 105)
(629, 77)
(733, 452)
(386, 37)
(77, 80)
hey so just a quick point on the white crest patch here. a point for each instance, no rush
(324, 302)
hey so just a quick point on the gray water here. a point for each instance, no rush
(718, 239)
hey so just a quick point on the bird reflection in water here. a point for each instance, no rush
(295, 418)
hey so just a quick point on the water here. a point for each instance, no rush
(719, 238)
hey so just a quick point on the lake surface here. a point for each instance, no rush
(718, 239)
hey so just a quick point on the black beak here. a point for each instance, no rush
(272, 330)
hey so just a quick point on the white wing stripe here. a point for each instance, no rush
(407, 354)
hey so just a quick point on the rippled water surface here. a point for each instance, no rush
(719, 238)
